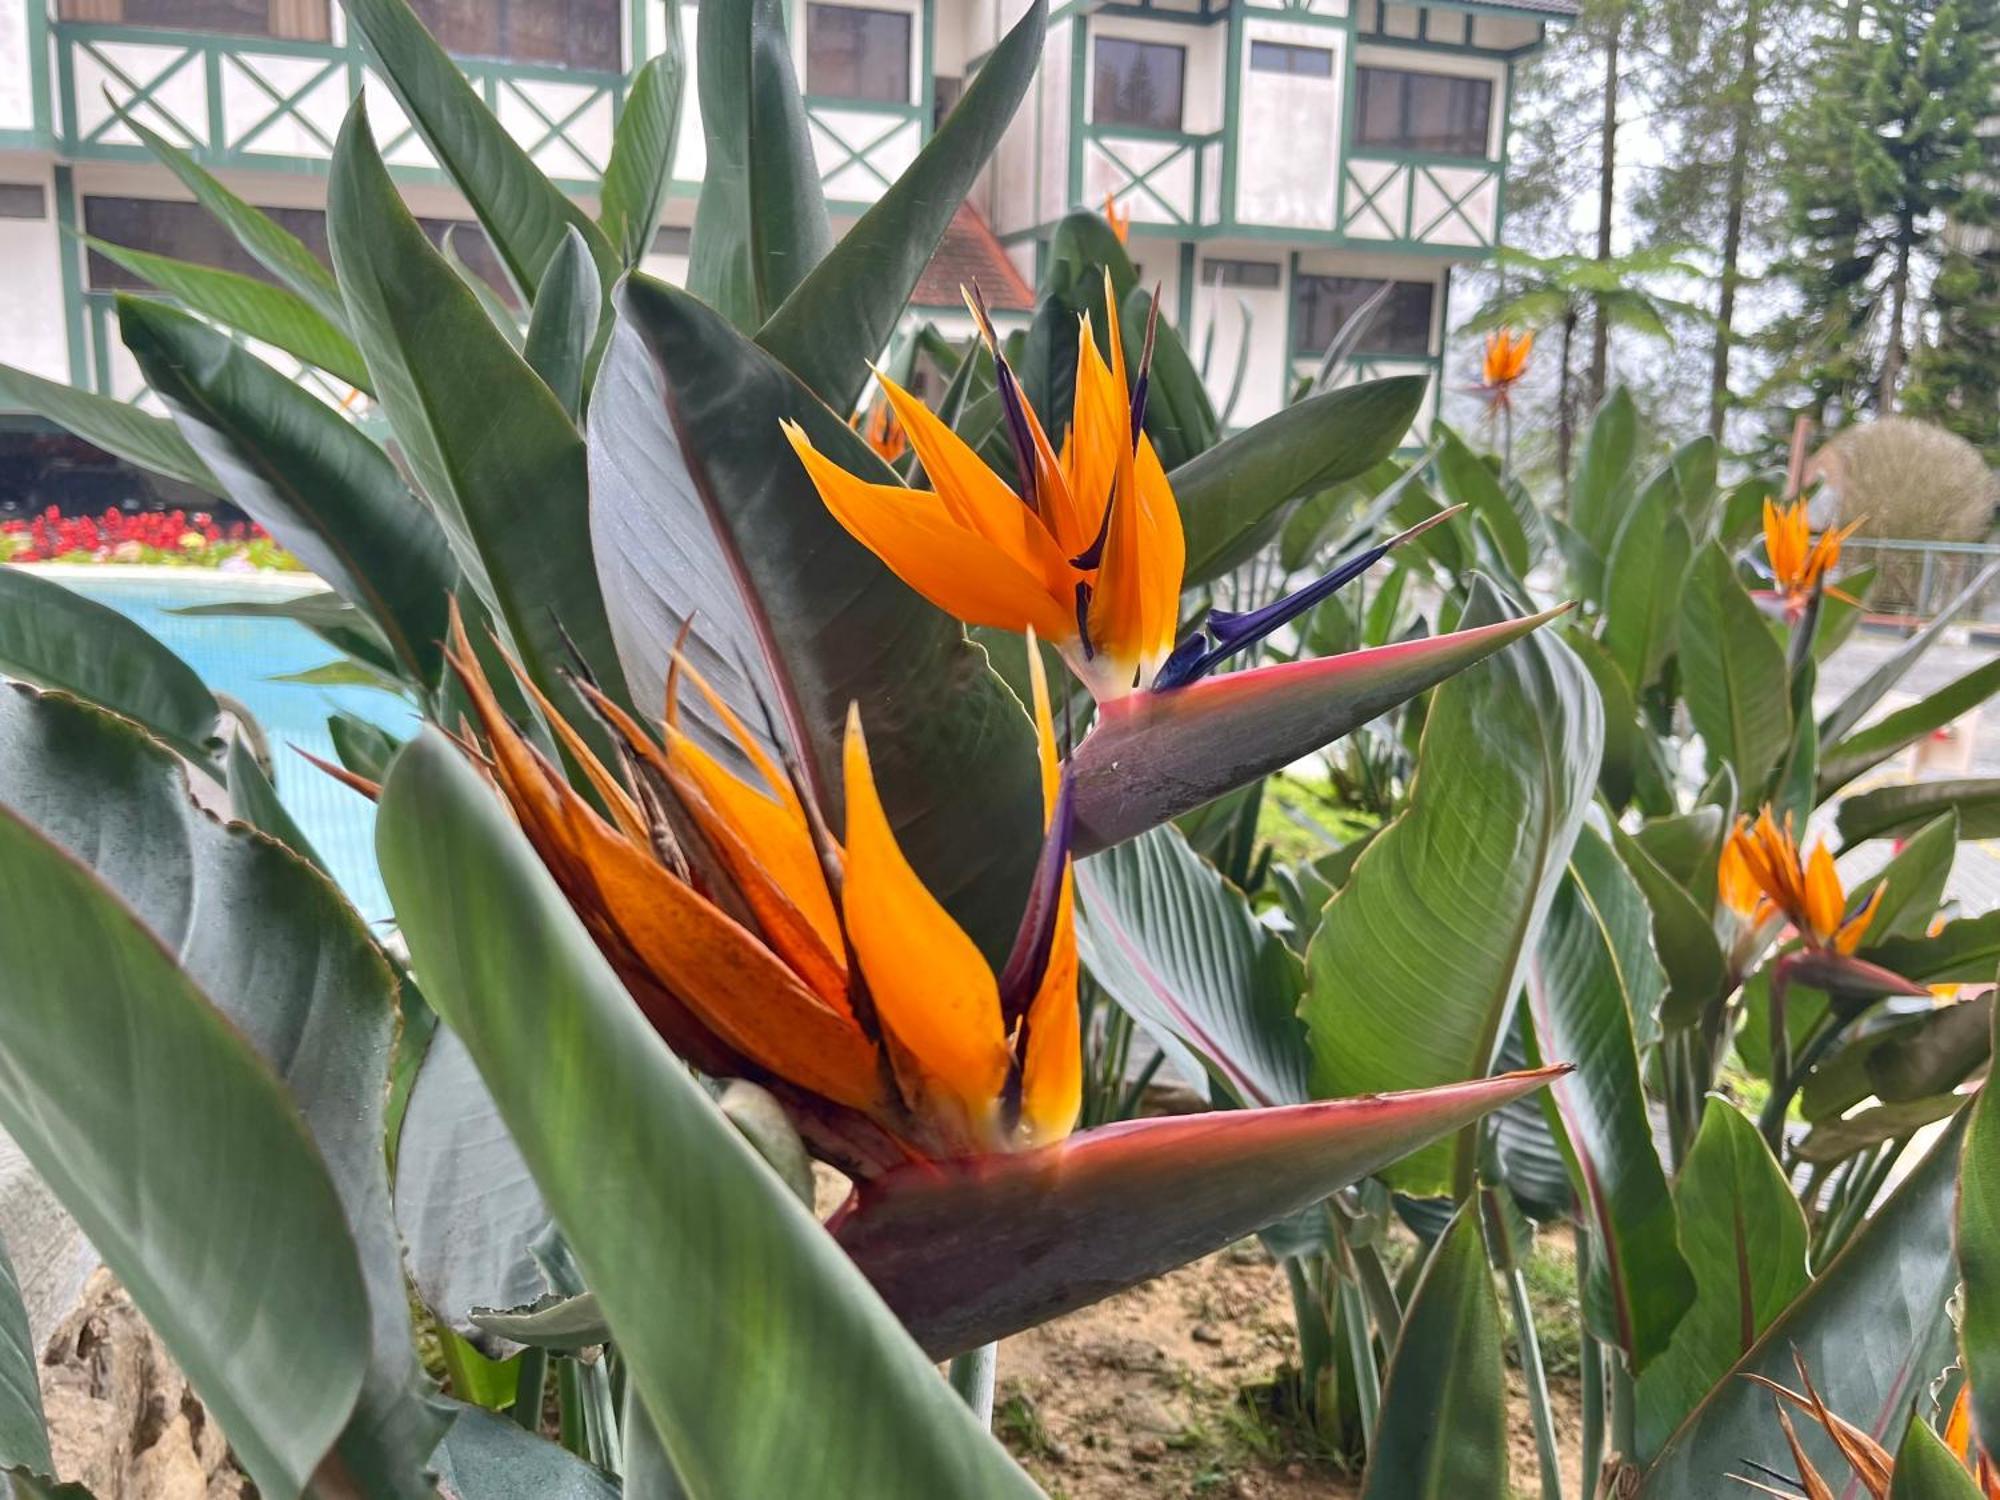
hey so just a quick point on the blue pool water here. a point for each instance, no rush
(240, 657)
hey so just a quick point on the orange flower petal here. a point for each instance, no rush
(1825, 902)
(959, 571)
(1855, 928)
(935, 996)
(1052, 1069)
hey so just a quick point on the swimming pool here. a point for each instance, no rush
(240, 657)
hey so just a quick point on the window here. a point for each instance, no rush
(1422, 111)
(673, 239)
(853, 53)
(1321, 306)
(1262, 274)
(1283, 57)
(23, 200)
(566, 33)
(298, 20)
(1138, 83)
(186, 231)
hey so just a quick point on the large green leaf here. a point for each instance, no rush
(1867, 1328)
(276, 948)
(704, 519)
(1915, 879)
(1683, 936)
(1228, 491)
(491, 446)
(1961, 952)
(1732, 672)
(1744, 1237)
(1593, 990)
(1155, 756)
(562, 331)
(1978, 1240)
(1642, 593)
(56, 638)
(641, 168)
(254, 800)
(274, 314)
(1604, 480)
(24, 1439)
(843, 314)
(1927, 1470)
(1867, 748)
(487, 1456)
(118, 427)
(760, 226)
(1466, 480)
(324, 613)
(307, 475)
(523, 213)
(1179, 948)
(1893, 811)
(136, 1100)
(1030, 1235)
(1850, 711)
(1413, 973)
(1918, 1057)
(729, 1303)
(1442, 1434)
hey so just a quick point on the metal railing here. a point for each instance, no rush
(1918, 579)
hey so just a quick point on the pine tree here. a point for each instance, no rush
(1886, 148)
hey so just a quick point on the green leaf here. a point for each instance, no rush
(1918, 1057)
(1180, 419)
(1868, 748)
(1618, 779)
(641, 168)
(1683, 936)
(498, 312)
(562, 330)
(364, 748)
(268, 242)
(254, 800)
(486, 1456)
(502, 465)
(1732, 672)
(1838, 618)
(1745, 1238)
(1442, 1434)
(56, 638)
(1961, 952)
(24, 1439)
(275, 947)
(1465, 479)
(1179, 948)
(1850, 711)
(1978, 1238)
(307, 475)
(1155, 756)
(1413, 973)
(344, 673)
(1226, 493)
(324, 613)
(1642, 593)
(1891, 811)
(1836, 1140)
(565, 1324)
(844, 312)
(119, 428)
(1604, 481)
(1915, 879)
(523, 213)
(272, 314)
(134, 1097)
(683, 1261)
(1593, 988)
(1927, 1470)
(760, 225)
(1884, 1294)
(701, 513)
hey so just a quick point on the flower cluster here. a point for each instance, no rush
(174, 536)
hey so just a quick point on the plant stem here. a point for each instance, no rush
(972, 1376)
(1536, 1379)
(1622, 1410)
(529, 1380)
(1361, 1354)
(1592, 1359)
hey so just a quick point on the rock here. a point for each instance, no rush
(1138, 1355)
(1149, 1450)
(1205, 1333)
(1144, 1414)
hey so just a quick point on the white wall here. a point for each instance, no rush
(17, 97)
(1248, 323)
(32, 334)
(1288, 156)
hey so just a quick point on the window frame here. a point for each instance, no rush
(1097, 118)
(1227, 271)
(910, 88)
(613, 62)
(1291, 51)
(1362, 288)
(1405, 141)
(84, 13)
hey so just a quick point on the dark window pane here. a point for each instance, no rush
(1138, 83)
(1284, 57)
(566, 33)
(1321, 305)
(1422, 111)
(23, 200)
(1249, 273)
(303, 20)
(853, 53)
(186, 231)
(672, 239)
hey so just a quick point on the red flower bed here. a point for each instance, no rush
(139, 537)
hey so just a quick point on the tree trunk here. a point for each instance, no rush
(1744, 123)
(1607, 182)
(1899, 306)
(1565, 422)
